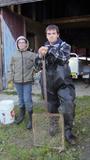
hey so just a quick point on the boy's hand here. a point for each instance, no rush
(42, 51)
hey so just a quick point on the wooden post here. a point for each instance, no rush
(19, 9)
(12, 8)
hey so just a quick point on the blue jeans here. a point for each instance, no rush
(24, 92)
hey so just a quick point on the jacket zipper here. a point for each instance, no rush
(22, 68)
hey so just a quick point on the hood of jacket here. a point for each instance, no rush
(19, 38)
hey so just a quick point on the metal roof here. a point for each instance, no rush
(15, 2)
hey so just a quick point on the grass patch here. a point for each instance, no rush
(16, 142)
(9, 91)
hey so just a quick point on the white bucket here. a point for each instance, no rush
(7, 114)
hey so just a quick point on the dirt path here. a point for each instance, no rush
(82, 89)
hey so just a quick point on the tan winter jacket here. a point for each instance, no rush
(22, 67)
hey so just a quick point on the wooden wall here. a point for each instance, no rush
(12, 27)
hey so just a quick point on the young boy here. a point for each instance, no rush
(60, 88)
(22, 67)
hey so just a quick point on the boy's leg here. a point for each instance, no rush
(53, 108)
(19, 89)
(67, 107)
(28, 102)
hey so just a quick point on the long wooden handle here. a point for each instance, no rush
(44, 81)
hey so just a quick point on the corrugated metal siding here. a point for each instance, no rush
(0, 57)
(13, 26)
(10, 2)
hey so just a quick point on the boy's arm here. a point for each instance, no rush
(11, 71)
(61, 54)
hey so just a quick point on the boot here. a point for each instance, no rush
(70, 138)
(53, 126)
(29, 125)
(21, 115)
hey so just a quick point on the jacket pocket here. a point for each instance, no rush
(29, 63)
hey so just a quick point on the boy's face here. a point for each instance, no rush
(22, 44)
(52, 35)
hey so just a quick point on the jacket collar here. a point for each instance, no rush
(55, 44)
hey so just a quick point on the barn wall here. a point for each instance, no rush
(12, 27)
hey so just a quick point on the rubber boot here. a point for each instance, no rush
(29, 125)
(53, 126)
(70, 138)
(21, 116)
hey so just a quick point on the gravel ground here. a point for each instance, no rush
(82, 89)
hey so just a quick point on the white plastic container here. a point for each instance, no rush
(74, 65)
(7, 114)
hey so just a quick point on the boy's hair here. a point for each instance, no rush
(52, 27)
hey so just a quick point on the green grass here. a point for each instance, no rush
(16, 142)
